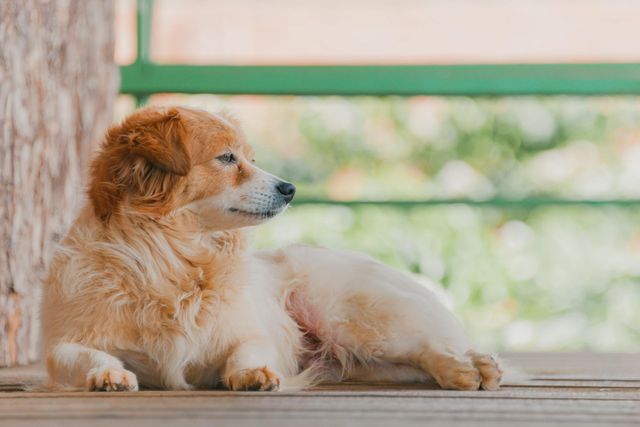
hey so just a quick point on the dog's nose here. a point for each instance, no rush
(287, 190)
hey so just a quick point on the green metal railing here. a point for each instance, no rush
(144, 78)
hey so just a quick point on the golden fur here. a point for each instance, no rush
(154, 285)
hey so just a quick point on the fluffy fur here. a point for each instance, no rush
(153, 285)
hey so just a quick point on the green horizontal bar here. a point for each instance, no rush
(478, 80)
(523, 203)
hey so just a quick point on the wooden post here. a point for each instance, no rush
(58, 83)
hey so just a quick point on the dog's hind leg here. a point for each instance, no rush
(79, 366)
(410, 332)
(418, 332)
(373, 317)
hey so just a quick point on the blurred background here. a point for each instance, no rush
(529, 224)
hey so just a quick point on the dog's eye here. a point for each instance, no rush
(227, 158)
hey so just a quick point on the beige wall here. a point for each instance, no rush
(387, 31)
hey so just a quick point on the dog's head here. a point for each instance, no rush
(159, 161)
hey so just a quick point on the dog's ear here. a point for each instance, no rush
(134, 154)
(161, 139)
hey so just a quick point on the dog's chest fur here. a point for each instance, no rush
(190, 322)
(165, 302)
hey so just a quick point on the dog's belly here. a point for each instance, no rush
(311, 322)
(343, 336)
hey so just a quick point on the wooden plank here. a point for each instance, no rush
(362, 407)
(571, 389)
(588, 365)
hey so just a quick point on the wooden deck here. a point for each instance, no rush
(564, 389)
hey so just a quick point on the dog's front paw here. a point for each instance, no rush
(111, 379)
(253, 379)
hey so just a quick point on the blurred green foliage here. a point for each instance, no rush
(548, 278)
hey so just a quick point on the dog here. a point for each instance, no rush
(154, 285)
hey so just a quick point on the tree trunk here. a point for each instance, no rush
(57, 88)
